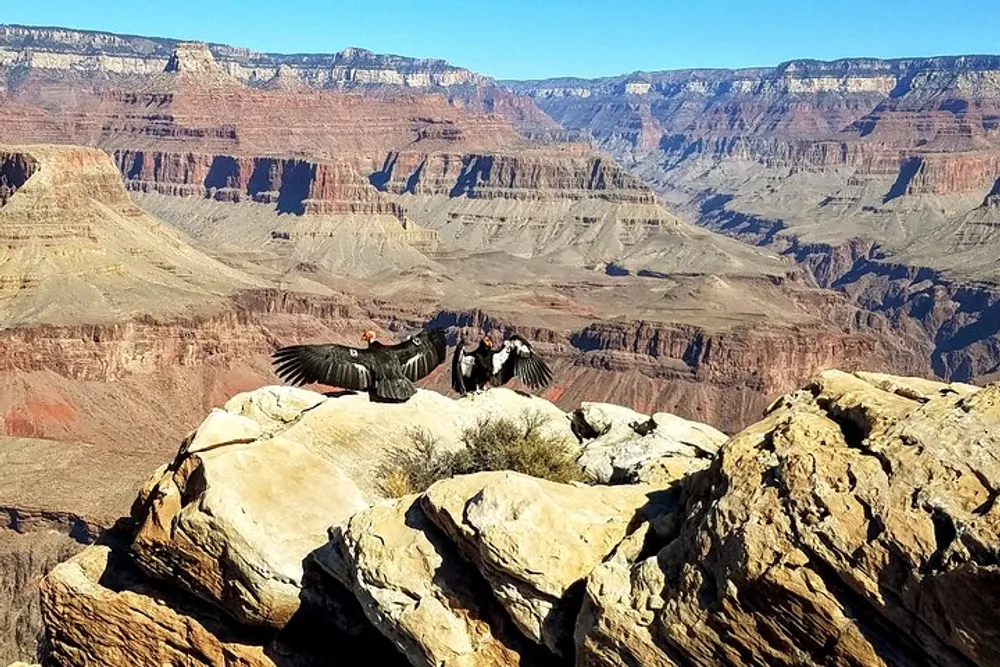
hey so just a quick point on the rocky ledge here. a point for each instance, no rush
(856, 524)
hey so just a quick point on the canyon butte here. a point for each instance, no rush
(695, 243)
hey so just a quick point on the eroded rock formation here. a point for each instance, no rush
(855, 524)
(431, 202)
(827, 532)
(876, 175)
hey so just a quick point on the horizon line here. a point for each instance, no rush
(784, 63)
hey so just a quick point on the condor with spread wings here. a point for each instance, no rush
(486, 365)
(386, 372)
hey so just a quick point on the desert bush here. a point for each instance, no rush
(499, 443)
(413, 468)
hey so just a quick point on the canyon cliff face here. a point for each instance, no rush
(429, 202)
(876, 175)
(416, 169)
(122, 60)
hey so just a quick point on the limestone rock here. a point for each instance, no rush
(24, 560)
(354, 433)
(233, 519)
(255, 489)
(416, 588)
(99, 611)
(855, 525)
(613, 627)
(662, 472)
(620, 443)
(534, 541)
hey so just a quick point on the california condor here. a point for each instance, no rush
(386, 372)
(495, 367)
(472, 371)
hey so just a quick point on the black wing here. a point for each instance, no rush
(333, 365)
(518, 359)
(420, 354)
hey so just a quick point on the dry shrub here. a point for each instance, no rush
(492, 444)
(412, 469)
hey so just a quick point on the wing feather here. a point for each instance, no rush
(330, 364)
(458, 369)
(500, 361)
(522, 362)
(420, 354)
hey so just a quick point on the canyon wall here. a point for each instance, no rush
(125, 59)
(66, 382)
(875, 175)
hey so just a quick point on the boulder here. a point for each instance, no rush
(417, 590)
(534, 541)
(233, 518)
(619, 443)
(855, 525)
(620, 601)
(251, 495)
(98, 610)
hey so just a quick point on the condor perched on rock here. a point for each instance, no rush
(488, 366)
(472, 372)
(386, 372)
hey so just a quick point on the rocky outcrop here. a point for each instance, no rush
(219, 562)
(227, 482)
(624, 445)
(877, 497)
(108, 615)
(855, 524)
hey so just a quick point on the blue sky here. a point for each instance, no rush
(546, 38)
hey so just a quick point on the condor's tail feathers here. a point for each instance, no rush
(394, 389)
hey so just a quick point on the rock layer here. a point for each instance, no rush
(876, 175)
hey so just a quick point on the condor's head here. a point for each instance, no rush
(368, 337)
(486, 341)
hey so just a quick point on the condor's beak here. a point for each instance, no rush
(488, 341)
